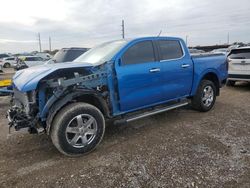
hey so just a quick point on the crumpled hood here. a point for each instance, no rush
(28, 79)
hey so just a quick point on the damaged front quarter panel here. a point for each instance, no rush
(54, 89)
(65, 90)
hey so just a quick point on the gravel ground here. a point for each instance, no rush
(180, 148)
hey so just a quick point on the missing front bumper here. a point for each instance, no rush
(19, 120)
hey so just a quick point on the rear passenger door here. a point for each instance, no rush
(138, 74)
(177, 69)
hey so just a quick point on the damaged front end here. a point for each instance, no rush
(23, 111)
(30, 108)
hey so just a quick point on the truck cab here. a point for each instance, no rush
(122, 81)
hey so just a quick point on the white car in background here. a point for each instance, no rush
(220, 51)
(239, 65)
(8, 62)
(29, 61)
(45, 56)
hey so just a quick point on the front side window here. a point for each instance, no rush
(141, 52)
(170, 49)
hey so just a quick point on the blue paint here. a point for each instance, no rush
(133, 87)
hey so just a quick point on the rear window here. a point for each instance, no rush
(66, 55)
(240, 54)
(170, 49)
(3, 55)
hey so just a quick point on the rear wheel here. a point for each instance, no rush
(231, 83)
(205, 96)
(77, 129)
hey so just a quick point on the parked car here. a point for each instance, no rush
(67, 55)
(195, 51)
(239, 65)
(122, 80)
(220, 51)
(29, 61)
(43, 55)
(8, 62)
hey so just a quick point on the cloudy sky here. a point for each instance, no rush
(84, 23)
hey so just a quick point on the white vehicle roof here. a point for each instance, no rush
(245, 47)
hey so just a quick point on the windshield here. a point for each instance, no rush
(101, 53)
(65, 55)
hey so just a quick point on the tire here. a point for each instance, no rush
(77, 129)
(198, 101)
(6, 65)
(231, 83)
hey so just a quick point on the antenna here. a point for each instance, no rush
(159, 33)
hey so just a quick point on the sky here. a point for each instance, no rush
(85, 23)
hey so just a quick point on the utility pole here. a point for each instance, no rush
(187, 40)
(49, 44)
(228, 38)
(123, 30)
(39, 40)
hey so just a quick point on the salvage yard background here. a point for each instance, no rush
(180, 148)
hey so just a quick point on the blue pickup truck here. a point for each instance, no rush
(122, 81)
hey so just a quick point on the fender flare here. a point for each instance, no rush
(202, 76)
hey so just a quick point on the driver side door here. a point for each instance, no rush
(138, 75)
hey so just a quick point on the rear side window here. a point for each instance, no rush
(10, 59)
(141, 52)
(33, 59)
(240, 54)
(170, 49)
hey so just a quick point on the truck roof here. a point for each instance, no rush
(151, 38)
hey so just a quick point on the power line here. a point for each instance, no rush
(49, 44)
(123, 30)
(39, 41)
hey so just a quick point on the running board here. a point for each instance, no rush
(153, 112)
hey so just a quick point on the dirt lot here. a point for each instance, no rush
(180, 148)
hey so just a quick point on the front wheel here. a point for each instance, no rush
(77, 129)
(205, 96)
(6, 65)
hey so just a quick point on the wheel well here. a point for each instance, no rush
(95, 101)
(92, 99)
(213, 78)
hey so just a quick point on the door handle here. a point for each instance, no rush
(185, 65)
(155, 70)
